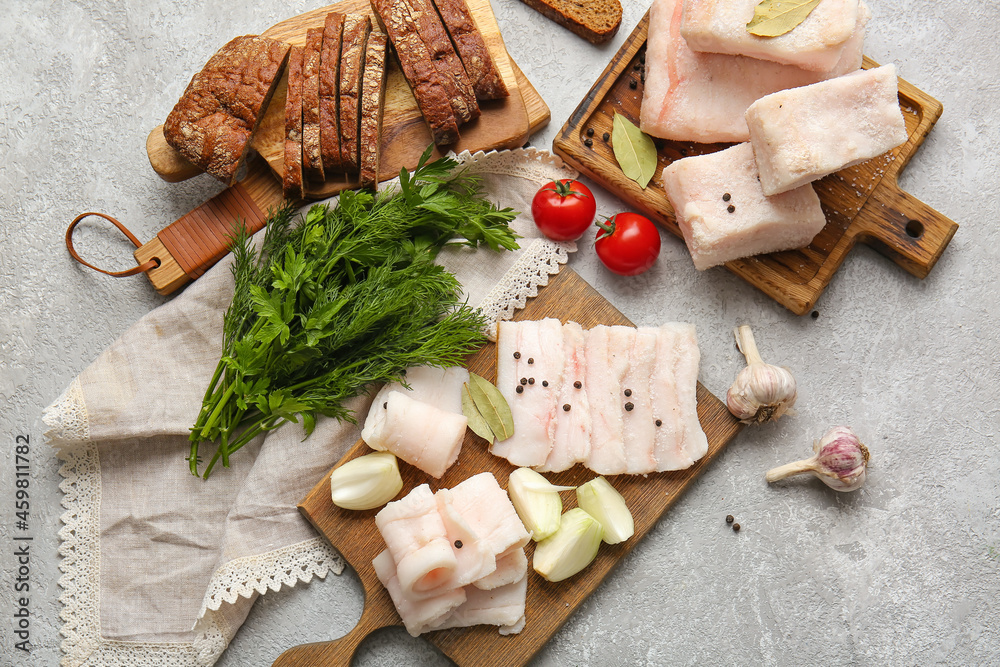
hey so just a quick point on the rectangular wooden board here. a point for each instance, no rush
(862, 203)
(567, 297)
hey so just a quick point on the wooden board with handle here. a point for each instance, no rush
(504, 123)
(567, 297)
(862, 203)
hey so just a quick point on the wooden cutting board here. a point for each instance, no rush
(862, 203)
(567, 297)
(504, 123)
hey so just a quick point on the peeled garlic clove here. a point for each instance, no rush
(841, 461)
(537, 502)
(761, 392)
(366, 482)
(571, 548)
(600, 500)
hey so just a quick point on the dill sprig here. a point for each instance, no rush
(347, 297)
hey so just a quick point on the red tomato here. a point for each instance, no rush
(563, 210)
(627, 243)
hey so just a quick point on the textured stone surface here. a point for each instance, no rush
(904, 571)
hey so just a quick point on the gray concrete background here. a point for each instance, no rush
(903, 572)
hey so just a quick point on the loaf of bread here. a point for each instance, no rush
(312, 157)
(418, 69)
(596, 21)
(468, 40)
(292, 182)
(222, 106)
(329, 85)
(456, 82)
(372, 107)
(352, 64)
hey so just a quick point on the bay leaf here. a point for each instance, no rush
(634, 150)
(492, 406)
(471, 412)
(772, 18)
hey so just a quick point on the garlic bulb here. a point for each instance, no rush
(600, 500)
(571, 548)
(761, 392)
(366, 482)
(841, 461)
(537, 502)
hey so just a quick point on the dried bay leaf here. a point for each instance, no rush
(471, 412)
(772, 18)
(492, 406)
(634, 150)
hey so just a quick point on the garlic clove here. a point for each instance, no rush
(841, 461)
(571, 548)
(536, 501)
(761, 392)
(366, 482)
(603, 502)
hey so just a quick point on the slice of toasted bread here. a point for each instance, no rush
(595, 21)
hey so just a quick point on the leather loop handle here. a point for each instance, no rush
(142, 268)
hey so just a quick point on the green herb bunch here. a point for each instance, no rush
(348, 297)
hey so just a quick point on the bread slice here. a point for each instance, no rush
(222, 106)
(291, 182)
(352, 64)
(312, 157)
(329, 86)
(456, 82)
(420, 73)
(471, 47)
(596, 21)
(372, 107)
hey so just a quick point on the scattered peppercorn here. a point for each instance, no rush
(726, 197)
(628, 392)
(629, 406)
(566, 407)
(385, 405)
(590, 131)
(815, 314)
(524, 380)
(633, 84)
(519, 389)
(531, 360)
(517, 355)
(545, 383)
(736, 527)
(731, 208)
(458, 544)
(577, 384)
(659, 422)
(636, 67)
(531, 380)
(606, 136)
(730, 518)
(588, 142)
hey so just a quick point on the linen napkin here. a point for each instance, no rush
(161, 567)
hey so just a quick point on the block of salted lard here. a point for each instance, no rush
(817, 43)
(724, 215)
(693, 96)
(803, 134)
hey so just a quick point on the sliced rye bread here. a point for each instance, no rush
(312, 158)
(372, 107)
(595, 21)
(292, 182)
(222, 106)
(468, 40)
(419, 71)
(329, 96)
(352, 63)
(456, 82)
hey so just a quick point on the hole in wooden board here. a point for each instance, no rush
(914, 229)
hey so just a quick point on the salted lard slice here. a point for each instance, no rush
(817, 43)
(419, 614)
(571, 439)
(686, 358)
(668, 443)
(475, 556)
(608, 351)
(417, 540)
(487, 509)
(529, 370)
(440, 387)
(723, 212)
(693, 96)
(503, 606)
(511, 566)
(419, 433)
(638, 428)
(803, 134)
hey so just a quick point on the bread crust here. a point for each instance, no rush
(596, 22)
(329, 86)
(352, 63)
(487, 83)
(292, 182)
(453, 76)
(312, 158)
(372, 107)
(222, 106)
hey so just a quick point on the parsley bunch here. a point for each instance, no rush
(348, 297)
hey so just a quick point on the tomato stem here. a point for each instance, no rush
(564, 189)
(607, 226)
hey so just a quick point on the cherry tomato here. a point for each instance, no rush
(563, 210)
(627, 243)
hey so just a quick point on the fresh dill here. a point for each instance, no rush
(347, 297)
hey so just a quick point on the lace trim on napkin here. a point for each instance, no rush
(68, 430)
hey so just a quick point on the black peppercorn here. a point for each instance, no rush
(633, 84)
(659, 422)
(519, 389)
(385, 405)
(531, 380)
(545, 383)
(736, 527)
(731, 208)
(517, 355)
(628, 407)
(726, 197)
(531, 360)
(606, 136)
(590, 131)
(566, 407)
(815, 314)
(577, 384)
(524, 380)
(628, 392)
(588, 142)
(458, 544)
(730, 518)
